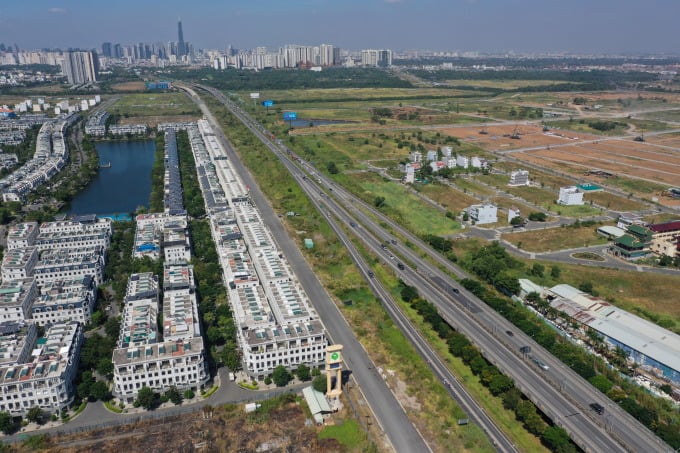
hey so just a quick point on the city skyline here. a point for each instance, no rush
(623, 26)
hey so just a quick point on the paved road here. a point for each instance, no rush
(387, 410)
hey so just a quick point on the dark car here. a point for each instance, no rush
(597, 408)
(400, 266)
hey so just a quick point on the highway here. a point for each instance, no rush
(559, 392)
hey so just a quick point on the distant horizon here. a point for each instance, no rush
(579, 27)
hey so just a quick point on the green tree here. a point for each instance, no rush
(319, 383)
(537, 216)
(7, 424)
(303, 372)
(173, 395)
(189, 394)
(409, 293)
(517, 220)
(35, 415)
(332, 168)
(557, 440)
(537, 270)
(147, 398)
(379, 202)
(601, 383)
(100, 391)
(281, 376)
(555, 272)
(500, 383)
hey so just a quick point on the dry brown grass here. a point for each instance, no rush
(552, 239)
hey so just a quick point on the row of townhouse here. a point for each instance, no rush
(51, 154)
(172, 357)
(124, 129)
(276, 323)
(65, 277)
(96, 124)
(38, 371)
(172, 183)
(162, 234)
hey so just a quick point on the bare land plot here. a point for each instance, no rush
(498, 136)
(552, 239)
(618, 165)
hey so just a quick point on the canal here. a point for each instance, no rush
(123, 186)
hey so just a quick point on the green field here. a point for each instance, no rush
(402, 205)
(154, 104)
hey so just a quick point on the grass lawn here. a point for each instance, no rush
(583, 125)
(470, 186)
(584, 210)
(349, 433)
(448, 197)
(552, 239)
(614, 202)
(402, 205)
(638, 186)
(154, 104)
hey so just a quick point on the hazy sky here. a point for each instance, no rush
(586, 26)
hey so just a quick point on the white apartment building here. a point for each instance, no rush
(79, 225)
(416, 156)
(483, 213)
(570, 196)
(38, 373)
(22, 235)
(133, 129)
(65, 301)
(176, 246)
(462, 161)
(519, 178)
(512, 213)
(19, 263)
(478, 162)
(431, 155)
(16, 299)
(447, 151)
(69, 263)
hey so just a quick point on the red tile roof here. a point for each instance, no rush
(665, 227)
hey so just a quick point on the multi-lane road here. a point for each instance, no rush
(558, 391)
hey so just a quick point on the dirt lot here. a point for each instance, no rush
(225, 428)
(498, 137)
(619, 157)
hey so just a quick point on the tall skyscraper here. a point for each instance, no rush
(181, 51)
(81, 66)
(106, 49)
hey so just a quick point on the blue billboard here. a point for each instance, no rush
(268, 103)
(289, 116)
